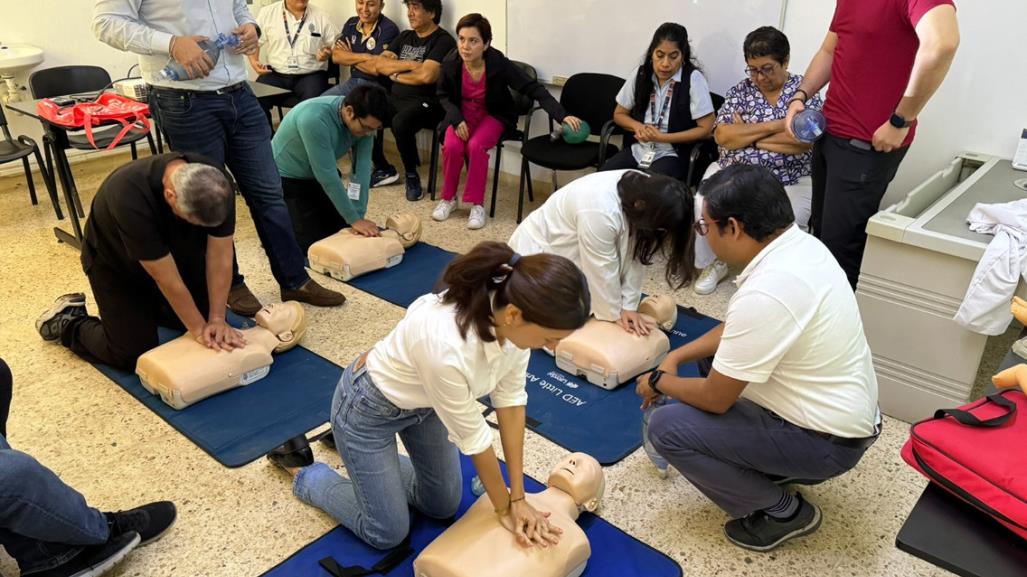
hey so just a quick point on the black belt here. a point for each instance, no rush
(226, 90)
(850, 442)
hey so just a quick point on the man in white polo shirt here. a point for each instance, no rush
(791, 395)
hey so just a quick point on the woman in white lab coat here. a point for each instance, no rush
(611, 224)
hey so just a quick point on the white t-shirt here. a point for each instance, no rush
(794, 333)
(584, 222)
(700, 105)
(424, 362)
(318, 32)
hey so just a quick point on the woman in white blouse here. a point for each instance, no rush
(612, 224)
(422, 382)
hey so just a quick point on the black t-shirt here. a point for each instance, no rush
(131, 221)
(409, 46)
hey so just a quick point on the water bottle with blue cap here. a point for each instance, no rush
(808, 125)
(175, 71)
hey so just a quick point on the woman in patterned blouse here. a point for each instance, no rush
(750, 129)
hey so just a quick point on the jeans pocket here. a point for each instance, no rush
(370, 402)
(173, 104)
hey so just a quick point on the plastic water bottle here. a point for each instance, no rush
(809, 125)
(175, 71)
(477, 487)
(661, 464)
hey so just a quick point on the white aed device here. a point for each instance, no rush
(134, 88)
(1020, 158)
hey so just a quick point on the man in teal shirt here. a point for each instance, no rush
(307, 146)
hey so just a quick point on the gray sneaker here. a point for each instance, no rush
(762, 532)
(51, 323)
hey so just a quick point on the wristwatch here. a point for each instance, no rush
(898, 121)
(655, 378)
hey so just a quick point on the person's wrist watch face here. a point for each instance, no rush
(898, 121)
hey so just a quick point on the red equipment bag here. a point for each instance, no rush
(107, 108)
(977, 453)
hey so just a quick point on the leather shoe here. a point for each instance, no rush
(294, 453)
(314, 294)
(242, 302)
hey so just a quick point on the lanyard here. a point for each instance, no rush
(292, 39)
(657, 121)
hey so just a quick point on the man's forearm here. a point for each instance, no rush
(939, 40)
(700, 348)
(818, 73)
(219, 276)
(181, 301)
(347, 58)
(387, 66)
(690, 390)
(735, 136)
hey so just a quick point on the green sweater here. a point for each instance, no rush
(310, 140)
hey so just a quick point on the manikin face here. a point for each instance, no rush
(287, 321)
(667, 60)
(580, 476)
(470, 44)
(369, 10)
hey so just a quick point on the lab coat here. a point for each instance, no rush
(583, 222)
(985, 307)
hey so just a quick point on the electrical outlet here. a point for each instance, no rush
(559, 80)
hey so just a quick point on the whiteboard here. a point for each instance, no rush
(611, 36)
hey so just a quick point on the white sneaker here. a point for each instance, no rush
(443, 210)
(710, 278)
(477, 218)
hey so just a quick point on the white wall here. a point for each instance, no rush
(982, 106)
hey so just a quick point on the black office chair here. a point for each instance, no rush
(86, 80)
(523, 106)
(591, 97)
(12, 149)
(704, 153)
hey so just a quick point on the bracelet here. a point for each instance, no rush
(789, 105)
(171, 45)
(512, 501)
(804, 93)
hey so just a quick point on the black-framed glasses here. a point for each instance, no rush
(365, 128)
(766, 70)
(702, 228)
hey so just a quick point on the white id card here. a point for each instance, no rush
(648, 156)
(353, 191)
(292, 62)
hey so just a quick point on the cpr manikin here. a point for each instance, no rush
(477, 544)
(608, 356)
(183, 371)
(346, 254)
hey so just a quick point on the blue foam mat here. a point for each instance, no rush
(402, 284)
(242, 424)
(614, 552)
(580, 416)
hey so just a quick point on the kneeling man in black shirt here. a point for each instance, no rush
(157, 250)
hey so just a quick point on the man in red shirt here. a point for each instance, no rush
(884, 60)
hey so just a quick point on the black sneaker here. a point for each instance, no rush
(150, 521)
(384, 177)
(294, 453)
(414, 192)
(51, 323)
(762, 532)
(96, 559)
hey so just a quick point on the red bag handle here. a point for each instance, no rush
(969, 419)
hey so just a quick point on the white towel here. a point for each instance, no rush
(985, 307)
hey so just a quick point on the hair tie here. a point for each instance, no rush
(513, 260)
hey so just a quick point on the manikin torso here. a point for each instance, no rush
(183, 371)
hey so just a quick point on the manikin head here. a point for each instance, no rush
(197, 193)
(406, 226)
(287, 321)
(580, 476)
(661, 308)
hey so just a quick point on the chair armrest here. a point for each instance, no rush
(27, 141)
(704, 151)
(609, 129)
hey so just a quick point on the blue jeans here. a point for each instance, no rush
(231, 129)
(43, 522)
(373, 501)
(728, 457)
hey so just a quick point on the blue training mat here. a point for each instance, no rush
(614, 552)
(242, 424)
(402, 284)
(580, 416)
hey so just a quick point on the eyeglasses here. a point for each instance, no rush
(766, 70)
(702, 228)
(365, 128)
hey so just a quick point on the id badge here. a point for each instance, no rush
(648, 156)
(353, 191)
(292, 62)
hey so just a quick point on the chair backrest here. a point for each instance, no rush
(3, 124)
(523, 103)
(718, 101)
(62, 80)
(591, 97)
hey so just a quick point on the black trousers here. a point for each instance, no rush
(408, 116)
(303, 86)
(848, 184)
(130, 312)
(668, 165)
(313, 215)
(6, 392)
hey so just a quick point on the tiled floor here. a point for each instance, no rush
(243, 521)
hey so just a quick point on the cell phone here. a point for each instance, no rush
(1020, 158)
(64, 101)
(861, 144)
